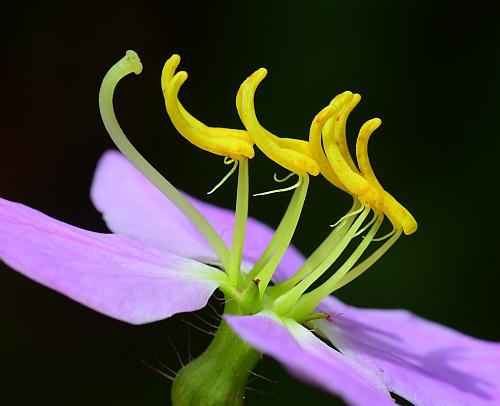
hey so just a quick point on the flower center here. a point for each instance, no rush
(325, 152)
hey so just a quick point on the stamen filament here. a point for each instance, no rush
(368, 262)
(128, 64)
(385, 237)
(286, 189)
(318, 256)
(367, 226)
(226, 177)
(283, 304)
(240, 221)
(278, 236)
(276, 179)
(308, 302)
(283, 240)
(350, 214)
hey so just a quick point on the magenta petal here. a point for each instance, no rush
(115, 275)
(310, 359)
(131, 205)
(422, 361)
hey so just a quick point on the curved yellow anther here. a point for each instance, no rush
(221, 141)
(364, 135)
(337, 152)
(338, 102)
(395, 211)
(361, 183)
(399, 216)
(316, 145)
(336, 126)
(355, 184)
(294, 155)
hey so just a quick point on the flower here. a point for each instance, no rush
(167, 248)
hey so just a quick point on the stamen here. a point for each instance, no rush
(283, 240)
(286, 189)
(399, 216)
(317, 257)
(367, 226)
(292, 154)
(368, 262)
(240, 220)
(388, 235)
(337, 153)
(354, 213)
(128, 64)
(308, 302)
(231, 171)
(283, 304)
(276, 179)
(221, 141)
(364, 135)
(361, 184)
(285, 228)
(357, 186)
(167, 74)
(336, 126)
(317, 125)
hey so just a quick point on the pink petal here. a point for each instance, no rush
(115, 275)
(131, 205)
(310, 359)
(422, 361)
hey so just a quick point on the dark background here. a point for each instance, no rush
(429, 70)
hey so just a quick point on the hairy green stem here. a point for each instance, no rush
(219, 375)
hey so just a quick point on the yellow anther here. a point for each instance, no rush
(336, 126)
(317, 146)
(356, 185)
(337, 152)
(329, 147)
(227, 142)
(398, 215)
(294, 155)
(364, 135)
